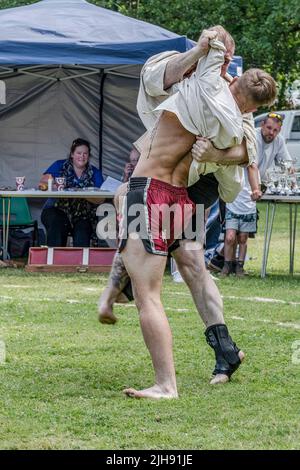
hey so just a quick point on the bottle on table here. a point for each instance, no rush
(50, 183)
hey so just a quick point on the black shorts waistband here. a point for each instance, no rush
(141, 182)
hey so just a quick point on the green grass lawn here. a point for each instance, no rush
(61, 385)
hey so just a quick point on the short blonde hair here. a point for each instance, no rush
(259, 86)
(223, 36)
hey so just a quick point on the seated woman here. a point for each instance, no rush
(77, 217)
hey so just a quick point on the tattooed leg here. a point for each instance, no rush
(118, 279)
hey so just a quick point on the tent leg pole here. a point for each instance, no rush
(102, 80)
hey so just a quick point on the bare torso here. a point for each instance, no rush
(166, 153)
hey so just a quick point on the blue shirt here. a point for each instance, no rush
(56, 170)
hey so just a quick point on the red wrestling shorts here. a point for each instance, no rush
(156, 212)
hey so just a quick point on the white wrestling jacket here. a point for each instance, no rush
(152, 99)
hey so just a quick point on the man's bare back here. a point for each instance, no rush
(166, 154)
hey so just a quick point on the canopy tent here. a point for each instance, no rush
(71, 70)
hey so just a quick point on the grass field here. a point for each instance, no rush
(61, 385)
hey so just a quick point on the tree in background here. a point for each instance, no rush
(266, 31)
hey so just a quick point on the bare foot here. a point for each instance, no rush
(105, 307)
(106, 314)
(122, 299)
(223, 378)
(155, 392)
(107, 319)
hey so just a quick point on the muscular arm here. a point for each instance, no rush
(254, 181)
(181, 64)
(204, 151)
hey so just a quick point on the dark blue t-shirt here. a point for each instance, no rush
(56, 170)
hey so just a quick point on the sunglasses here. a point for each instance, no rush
(280, 117)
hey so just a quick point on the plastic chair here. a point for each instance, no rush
(20, 216)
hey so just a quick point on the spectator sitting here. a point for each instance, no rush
(77, 217)
(130, 166)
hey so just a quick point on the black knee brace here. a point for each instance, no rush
(128, 291)
(226, 351)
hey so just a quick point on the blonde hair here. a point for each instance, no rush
(257, 85)
(223, 36)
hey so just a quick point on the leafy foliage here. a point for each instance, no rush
(266, 32)
(14, 3)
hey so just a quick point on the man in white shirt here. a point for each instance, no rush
(271, 147)
(241, 217)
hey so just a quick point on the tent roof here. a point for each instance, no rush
(77, 32)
